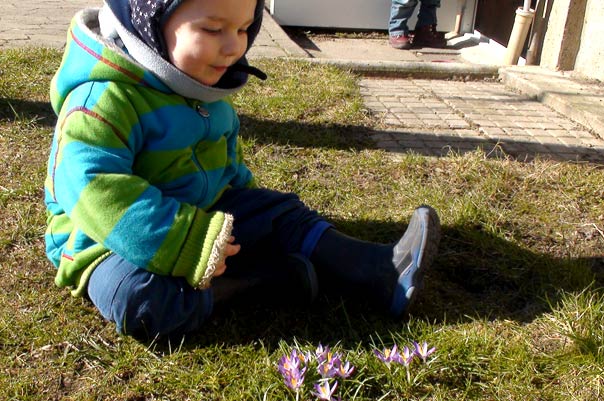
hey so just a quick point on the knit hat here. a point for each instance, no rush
(148, 17)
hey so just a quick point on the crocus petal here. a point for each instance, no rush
(327, 370)
(294, 378)
(422, 351)
(345, 370)
(324, 391)
(389, 354)
(287, 363)
(406, 356)
(322, 353)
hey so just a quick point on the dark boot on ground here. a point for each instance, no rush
(426, 36)
(391, 274)
(290, 279)
(437, 34)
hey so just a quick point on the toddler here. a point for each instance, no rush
(148, 197)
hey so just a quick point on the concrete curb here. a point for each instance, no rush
(412, 69)
(280, 38)
(581, 103)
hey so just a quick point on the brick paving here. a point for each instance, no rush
(435, 117)
(38, 23)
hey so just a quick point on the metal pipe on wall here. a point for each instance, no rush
(522, 23)
(533, 53)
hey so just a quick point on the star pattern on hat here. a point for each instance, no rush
(143, 14)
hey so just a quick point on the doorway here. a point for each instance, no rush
(495, 18)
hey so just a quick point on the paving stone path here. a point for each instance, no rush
(434, 117)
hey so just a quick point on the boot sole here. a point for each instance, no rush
(401, 46)
(411, 279)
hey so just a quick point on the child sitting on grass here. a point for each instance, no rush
(147, 193)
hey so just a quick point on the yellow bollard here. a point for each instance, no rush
(522, 23)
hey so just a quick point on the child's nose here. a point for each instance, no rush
(231, 45)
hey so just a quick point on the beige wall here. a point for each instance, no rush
(563, 34)
(574, 38)
(590, 58)
(552, 41)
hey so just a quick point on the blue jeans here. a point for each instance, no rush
(402, 10)
(146, 305)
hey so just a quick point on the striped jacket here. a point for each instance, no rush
(134, 167)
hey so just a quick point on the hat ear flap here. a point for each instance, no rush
(254, 29)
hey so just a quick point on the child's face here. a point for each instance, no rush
(204, 37)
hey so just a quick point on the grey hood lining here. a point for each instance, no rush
(113, 30)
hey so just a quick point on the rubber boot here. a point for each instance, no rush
(426, 36)
(437, 34)
(391, 273)
(288, 280)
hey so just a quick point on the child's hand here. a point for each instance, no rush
(230, 250)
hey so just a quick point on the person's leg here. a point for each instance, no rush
(281, 217)
(262, 274)
(427, 13)
(277, 234)
(398, 30)
(392, 274)
(275, 230)
(425, 29)
(400, 12)
(146, 305)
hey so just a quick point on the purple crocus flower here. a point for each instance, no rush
(406, 357)
(321, 352)
(294, 378)
(422, 351)
(289, 362)
(290, 369)
(324, 391)
(305, 357)
(344, 370)
(327, 368)
(325, 354)
(388, 355)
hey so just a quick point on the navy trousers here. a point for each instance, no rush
(267, 224)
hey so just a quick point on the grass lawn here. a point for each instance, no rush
(514, 303)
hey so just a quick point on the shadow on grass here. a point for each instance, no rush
(300, 134)
(27, 110)
(427, 142)
(476, 276)
(345, 137)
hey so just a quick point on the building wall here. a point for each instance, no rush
(590, 58)
(574, 38)
(552, 40)
(361, 14)
(563, 34)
